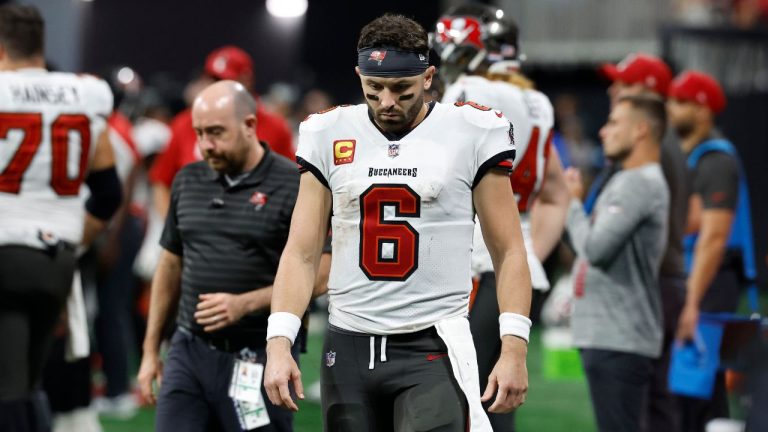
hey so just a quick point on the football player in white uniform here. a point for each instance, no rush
(52, 141)
(480, 55)
(402, 180)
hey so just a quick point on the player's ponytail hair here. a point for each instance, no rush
(514, 78)
(395, 31)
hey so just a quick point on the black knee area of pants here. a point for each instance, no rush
(66, 383)
(433, 411)
(346, 418)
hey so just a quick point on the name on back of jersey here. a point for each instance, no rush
(39, 92)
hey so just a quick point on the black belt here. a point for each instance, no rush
(229, 343)
(54, 245)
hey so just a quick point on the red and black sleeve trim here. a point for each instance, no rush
(500, 160)
(305, 166)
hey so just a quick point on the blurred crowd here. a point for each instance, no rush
(742, 14)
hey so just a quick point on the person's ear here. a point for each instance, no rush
(428, 75)
(250, 123)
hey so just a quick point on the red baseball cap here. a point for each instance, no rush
(700, 88)
(639, 68)
(228, 62)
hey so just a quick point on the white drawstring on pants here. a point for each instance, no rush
(383, 349)
(373, 352)
(383, 356)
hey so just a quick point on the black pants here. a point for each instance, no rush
(618, 386)
(662, 413)
(117, 290)
(722, 296)
(194, 392)
(484, 324)
(757, 385)
(34, 285)
(410, 386)
(67, 384)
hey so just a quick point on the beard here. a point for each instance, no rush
(620, 155)
(684, 129)
(222, 162)
(227, 162)
(397, 119)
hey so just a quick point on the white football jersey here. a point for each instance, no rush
(49, 126)
(402, 211)
(532, 115)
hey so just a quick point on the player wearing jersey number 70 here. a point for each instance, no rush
(404, 178)
(53, 140)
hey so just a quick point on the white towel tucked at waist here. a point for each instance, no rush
(461, 350)
(78, 345)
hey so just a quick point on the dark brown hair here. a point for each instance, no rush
(653, 109)
(396, 31)
(21, 31)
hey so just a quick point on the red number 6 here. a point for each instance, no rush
(389, 250)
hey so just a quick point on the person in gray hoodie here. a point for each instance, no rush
(617, 317)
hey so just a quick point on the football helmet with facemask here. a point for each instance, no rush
(472, 35)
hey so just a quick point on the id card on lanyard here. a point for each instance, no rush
(245, 391)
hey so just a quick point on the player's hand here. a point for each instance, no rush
(573, 182)
(686, 325)
(509, 378)
(216, 311)
(151, 369)
(280, 371)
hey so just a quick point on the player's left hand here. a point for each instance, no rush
(216, 311)
(509, 378)
(280, 372)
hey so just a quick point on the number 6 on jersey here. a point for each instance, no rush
(389, 250)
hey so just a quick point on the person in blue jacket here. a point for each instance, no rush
(718, 246)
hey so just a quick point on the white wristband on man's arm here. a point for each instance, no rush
(283, 324)
(515, 325)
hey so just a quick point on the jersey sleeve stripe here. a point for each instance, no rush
(506, 163)
(493, 162)
(306, 166)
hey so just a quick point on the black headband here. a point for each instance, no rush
(391, 62)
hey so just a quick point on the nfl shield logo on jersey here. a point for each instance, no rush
(394, 150)
(330, 358)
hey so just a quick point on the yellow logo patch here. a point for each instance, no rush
(343, 151)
